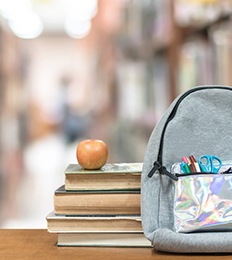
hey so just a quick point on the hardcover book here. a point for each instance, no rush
(123, 202)
(93, 223)
(112, 176)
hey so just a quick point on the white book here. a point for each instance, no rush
(103, 239)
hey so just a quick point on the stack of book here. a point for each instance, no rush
(99, 207)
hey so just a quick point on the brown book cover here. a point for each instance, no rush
(112, 176)
(123, 202)
(93, 223)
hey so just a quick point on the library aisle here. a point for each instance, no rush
(94, 69)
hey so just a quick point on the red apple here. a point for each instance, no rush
(92, 154)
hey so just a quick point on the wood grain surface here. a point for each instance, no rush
(39, 244)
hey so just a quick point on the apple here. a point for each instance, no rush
(92, 154)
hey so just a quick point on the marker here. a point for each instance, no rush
(186, 168)
(193, 160)
(182, 167)
(192, 167)
(184, 159)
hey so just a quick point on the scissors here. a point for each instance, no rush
(209, 167)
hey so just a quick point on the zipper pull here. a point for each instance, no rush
(227, 171)
(162, 170)
(156, 166)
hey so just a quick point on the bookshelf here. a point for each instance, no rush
(12, 119)
(166, 47)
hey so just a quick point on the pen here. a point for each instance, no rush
(193, 160)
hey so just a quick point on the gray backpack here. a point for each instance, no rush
(198, 122)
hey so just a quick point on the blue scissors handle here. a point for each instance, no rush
(209, 166)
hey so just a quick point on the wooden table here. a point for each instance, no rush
(39, 244)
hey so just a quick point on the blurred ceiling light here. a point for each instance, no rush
(9, 9)
(79, 15)
(83, 9)
(76, 28)
(27, 27)
(15, 14)
(27, 24)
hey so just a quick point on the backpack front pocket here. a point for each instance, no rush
(203, 202)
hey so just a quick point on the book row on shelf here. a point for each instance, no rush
(146, 91)
(206, 60)
(150, 22)
(144, 21)
(99, 207)
(200, 12)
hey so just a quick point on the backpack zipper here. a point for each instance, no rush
(158, 164)
(200, 173)
(195, 173)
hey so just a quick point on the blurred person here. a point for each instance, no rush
(74, 123)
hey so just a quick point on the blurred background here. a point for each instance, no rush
(106, 69)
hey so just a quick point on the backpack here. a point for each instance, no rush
(198, 122)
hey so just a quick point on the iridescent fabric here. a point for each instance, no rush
(203, 203)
